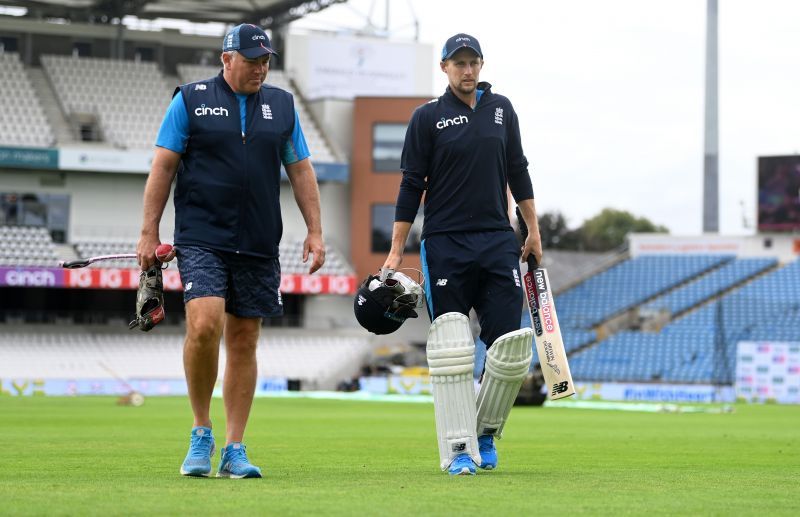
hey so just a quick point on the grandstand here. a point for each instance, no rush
(26, 246)
(290, 249)
(22, 120)
(699, 345)
(104, 354)
(128, 98)
(78, 117)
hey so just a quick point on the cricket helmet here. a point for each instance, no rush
(382, 306)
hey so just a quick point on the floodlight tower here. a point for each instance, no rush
(711, 153)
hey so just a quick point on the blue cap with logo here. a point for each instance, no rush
(248, 40)
(459, 41)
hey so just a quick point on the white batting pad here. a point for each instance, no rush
(451, 359)
(507, 363)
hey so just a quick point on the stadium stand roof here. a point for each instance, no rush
(269, 13)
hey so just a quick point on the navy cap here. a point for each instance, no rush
(459, 41)
(248, 40)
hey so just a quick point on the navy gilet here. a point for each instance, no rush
(227, 195)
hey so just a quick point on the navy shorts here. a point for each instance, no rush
(250, 285)
(479, 270)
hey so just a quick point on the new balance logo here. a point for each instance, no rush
(204, 110)
(498, 116)
(361, 300)
(199, 86)
(441, 282)
(455, 121)
(561, 387)
(266, 112)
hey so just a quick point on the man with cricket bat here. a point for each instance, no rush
(464, 151)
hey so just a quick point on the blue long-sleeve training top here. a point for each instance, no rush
(463, 158)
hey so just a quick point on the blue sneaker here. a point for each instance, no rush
(201, 449)
(462, 466)
(234, 463)
(488, 452)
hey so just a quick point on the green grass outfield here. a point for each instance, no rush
(88, 456)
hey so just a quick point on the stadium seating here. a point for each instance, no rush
(709, 285)
(128, 97)
(290, 249)
(627, 285)
(318, 361)
(701, 346)
(26, 246)
(92, 248)
(320, 151)
(22, 120)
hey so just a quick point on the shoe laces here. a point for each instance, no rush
(202, 446)
(234, 456)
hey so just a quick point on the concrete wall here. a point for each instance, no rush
(786, 247)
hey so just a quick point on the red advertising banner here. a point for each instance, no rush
(114, 278)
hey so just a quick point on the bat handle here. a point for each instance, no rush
(532, 262)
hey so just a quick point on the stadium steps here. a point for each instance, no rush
(567, 269)
(337, 153)
(627, 320)
(66, 252)
(722, 294)
(53, 112)
(172, 79)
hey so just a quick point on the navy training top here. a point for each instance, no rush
(227, 195)
(465, 158)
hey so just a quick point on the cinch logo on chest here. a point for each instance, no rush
(205, 110)
(455, 121)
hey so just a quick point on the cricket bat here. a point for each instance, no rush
(547, 332)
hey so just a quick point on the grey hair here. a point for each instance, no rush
(229, 52)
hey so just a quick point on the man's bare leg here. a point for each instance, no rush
(205, 318)
(204, 321)
(241, 372)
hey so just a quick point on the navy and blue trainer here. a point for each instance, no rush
(462, 466)
(234, 463)
(201, 449)
(488, 452)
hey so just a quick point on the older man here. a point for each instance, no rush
(229, 135)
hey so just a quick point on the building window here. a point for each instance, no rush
(387, 146)
(48, 210)
(382, 223)
(8, 44)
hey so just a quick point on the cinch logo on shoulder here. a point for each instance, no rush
(205, 110)
(455, 121)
